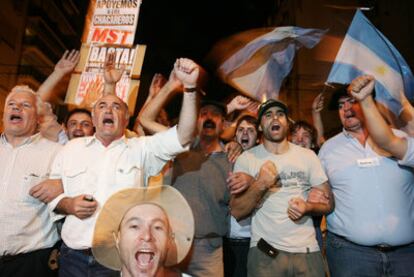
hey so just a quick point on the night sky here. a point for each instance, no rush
(173, 29)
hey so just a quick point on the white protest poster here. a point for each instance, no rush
(114, 22)
(87, 87)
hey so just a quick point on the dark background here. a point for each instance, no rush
(173, 29)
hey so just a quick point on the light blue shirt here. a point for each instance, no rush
(240, 229)
(408, 158)
(374, 195)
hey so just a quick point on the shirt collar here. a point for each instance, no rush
(196, 145)
(347, 134)
(93, 139)
(28, 140)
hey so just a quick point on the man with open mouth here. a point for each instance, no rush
(237, 242)
(92, 168)
(283, 241)
(27, 233)
(78, 124)
(371, 231)
(144, 232)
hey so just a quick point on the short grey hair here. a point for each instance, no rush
(27, 89)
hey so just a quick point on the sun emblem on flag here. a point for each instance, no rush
(381, 70)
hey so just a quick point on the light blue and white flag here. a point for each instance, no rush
(258, 68)
(365, 50)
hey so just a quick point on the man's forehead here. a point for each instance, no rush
(79, 115)
(110, 98)
(275, 109)
(344, 98)
(20, 94)
(212, 108)
(245, 123)
(302, 129)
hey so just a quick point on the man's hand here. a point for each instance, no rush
(361, 87)
(233, 150)
(317, 104)
(92, 94)
(47, 190)
(239, 103)
(268, 175)
(81, 206)
(157, 82)
(48, 126)
(67, 63)
(112, 74)
(238, 182)
(318, 196)
(186, 72)
(297, 208)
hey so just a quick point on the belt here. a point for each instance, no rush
(387, 248)
(86, 252)
(380, 247)
(237, 241)
(8, 258)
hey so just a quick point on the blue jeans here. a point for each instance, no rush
(349, 259)
(75, 263)
(235, 257)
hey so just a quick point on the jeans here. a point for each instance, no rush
(76, 263)
(235, 257)
(349, 259)
(28, 264)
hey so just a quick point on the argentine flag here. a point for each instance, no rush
(365, 50)
(258, 68)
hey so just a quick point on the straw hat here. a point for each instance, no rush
(168, 198)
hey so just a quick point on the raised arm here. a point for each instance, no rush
(49, 128)
(317, 107)
(160, 92)
(187, 73)
(407, 115)
(240, 103)
(361, 89)
(243, 204)
(64, 67)
(111, 74)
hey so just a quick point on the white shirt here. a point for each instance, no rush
(86, 166)
(25, 224)
(299, 169)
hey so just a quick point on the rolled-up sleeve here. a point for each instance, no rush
(160, 148)
(408, 159)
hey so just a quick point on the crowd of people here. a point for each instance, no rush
(258, 196)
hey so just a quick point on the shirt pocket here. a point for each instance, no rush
(129, 176)
(30, 180)
(75, 181)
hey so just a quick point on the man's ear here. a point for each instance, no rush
(259, 128)
(116, 240)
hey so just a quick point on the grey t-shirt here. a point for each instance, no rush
(202, 181)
